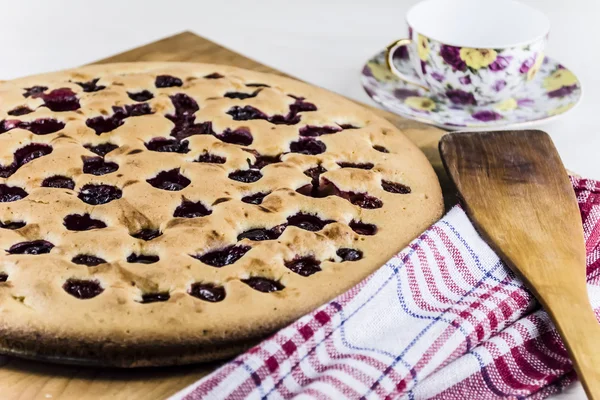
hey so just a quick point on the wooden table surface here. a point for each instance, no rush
(29, 380)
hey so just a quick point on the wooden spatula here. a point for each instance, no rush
(516, 191)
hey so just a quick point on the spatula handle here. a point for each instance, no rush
(576, 322)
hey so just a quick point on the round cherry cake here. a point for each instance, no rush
(169, 213)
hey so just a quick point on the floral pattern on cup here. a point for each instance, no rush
(552, 90)
(488, 75)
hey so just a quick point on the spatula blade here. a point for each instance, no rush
(514, 186)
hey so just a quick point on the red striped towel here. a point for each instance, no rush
(445, 318)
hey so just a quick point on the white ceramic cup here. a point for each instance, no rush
(472, 52)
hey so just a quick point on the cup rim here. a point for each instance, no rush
(492, 45)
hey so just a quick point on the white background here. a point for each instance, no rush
(324, 42)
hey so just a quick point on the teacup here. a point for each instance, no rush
(472, 51)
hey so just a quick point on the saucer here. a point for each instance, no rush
(553, 91)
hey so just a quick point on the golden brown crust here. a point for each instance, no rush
(39, 318)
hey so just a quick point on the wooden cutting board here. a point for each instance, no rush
(29, 380)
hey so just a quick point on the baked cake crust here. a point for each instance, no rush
(127, 180)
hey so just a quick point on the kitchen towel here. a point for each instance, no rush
(444, 318)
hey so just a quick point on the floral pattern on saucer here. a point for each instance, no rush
(553, 91)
